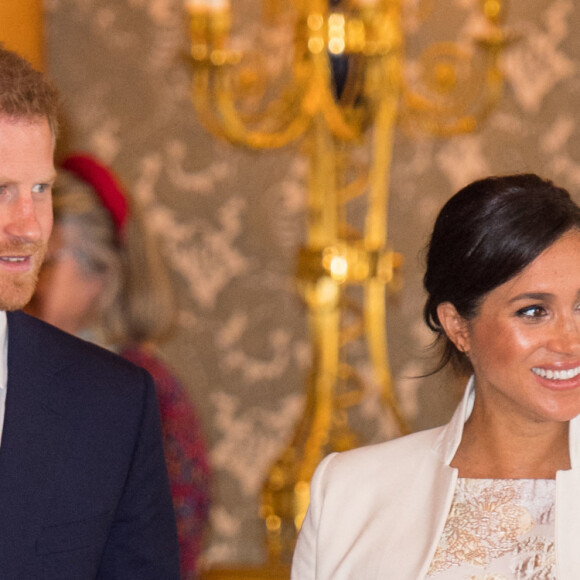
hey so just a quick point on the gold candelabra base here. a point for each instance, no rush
(267, 572)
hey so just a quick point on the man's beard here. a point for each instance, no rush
(16, 289)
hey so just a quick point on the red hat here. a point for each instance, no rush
(104, 182)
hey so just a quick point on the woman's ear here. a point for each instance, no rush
(455, 326)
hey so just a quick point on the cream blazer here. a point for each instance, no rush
(378, 512)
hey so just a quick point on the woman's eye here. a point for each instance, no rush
(532, 312)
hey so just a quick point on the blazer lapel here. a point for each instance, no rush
(421, 520)
(33, 439)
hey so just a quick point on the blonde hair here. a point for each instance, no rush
(137, 303)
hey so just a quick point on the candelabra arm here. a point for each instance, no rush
(376, 326)
(456, 95)
(322, 298)
(216, 110)
(322, 209)
(202, 98)
(382, 151)
(295, 111)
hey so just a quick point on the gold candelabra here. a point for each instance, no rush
(346, 92)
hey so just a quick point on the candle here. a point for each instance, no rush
(207, 5)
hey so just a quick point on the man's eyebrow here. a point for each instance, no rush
(50, 179)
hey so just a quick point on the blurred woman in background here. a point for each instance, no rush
(104, 280)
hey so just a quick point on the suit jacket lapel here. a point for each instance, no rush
(33, 440)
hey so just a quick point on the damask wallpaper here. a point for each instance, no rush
(231, 220)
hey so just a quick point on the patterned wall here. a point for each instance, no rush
(232, 220)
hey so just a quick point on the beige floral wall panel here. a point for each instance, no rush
(231, 220)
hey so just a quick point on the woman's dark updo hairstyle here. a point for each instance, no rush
(485, 235)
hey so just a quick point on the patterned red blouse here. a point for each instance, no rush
(186, 457)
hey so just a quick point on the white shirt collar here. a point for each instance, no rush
(3, 350)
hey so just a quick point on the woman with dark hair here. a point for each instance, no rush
(496, 492)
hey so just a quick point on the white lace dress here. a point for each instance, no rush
(498, 529)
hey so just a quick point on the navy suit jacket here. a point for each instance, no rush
(83, 484)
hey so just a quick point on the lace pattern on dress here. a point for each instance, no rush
(498, 529)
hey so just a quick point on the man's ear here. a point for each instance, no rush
(454, 325)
